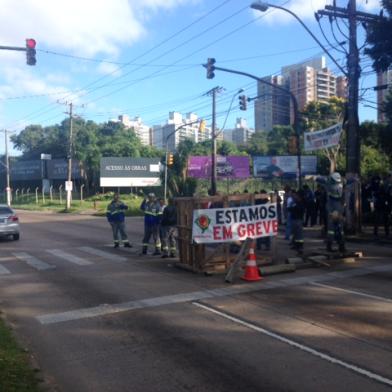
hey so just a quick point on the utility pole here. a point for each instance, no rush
(7, 168)
(69, 168)
(353, 153)
(213, 93)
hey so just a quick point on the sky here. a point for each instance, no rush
(144, 57)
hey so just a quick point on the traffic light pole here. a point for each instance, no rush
(213, 136)
(213, 93)
(295, 109)
(29, 49)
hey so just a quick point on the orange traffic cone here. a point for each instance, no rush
(251, 270)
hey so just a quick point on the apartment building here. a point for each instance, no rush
(177, 129)
(384, 85)
(271, 105)
(240, 134)
(143, 132)
(308, 81)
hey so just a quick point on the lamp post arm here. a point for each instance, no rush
(295, 108)
(286, 91)
(310, 32)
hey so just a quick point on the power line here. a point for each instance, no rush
(168, 39)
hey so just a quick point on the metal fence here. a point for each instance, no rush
(53, 195)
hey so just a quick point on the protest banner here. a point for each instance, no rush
(325, 138)
(234, 223)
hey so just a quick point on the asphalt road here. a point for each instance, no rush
(101, 319)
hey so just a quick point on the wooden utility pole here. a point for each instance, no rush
(69, 167)
(213, 93)
(353, 148)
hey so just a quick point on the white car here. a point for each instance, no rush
(9, 222)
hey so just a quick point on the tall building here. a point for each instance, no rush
(384, 86)
(271, 106)
(240, 134)
(308, 81)
(177, 129)
(142, 131)
(341, 87)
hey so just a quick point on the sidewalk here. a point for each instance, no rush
(315, 242)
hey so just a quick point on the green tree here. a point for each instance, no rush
(278, 139)
(373, 161)
(319, 115)
(377, 137)
(257, 144)
(91, 141)
(379, 38)
(178, 182)
(227, 148)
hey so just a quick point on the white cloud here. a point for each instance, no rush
(22, 82)
(84, 27)
(87, 28)
(109, 69)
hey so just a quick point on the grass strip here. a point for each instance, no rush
(16, 373)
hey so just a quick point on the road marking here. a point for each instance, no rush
(353, 292)
(33, 261)
(101, 253)
(102, 310)
(3, 270)
(326, 357)
(106, 309)
(68, 257)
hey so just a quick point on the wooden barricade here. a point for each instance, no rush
(207, 258)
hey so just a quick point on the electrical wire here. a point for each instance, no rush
(161, 43)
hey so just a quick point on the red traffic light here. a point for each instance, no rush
(30, 43)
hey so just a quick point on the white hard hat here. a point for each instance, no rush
(152, 195)
(336, 177)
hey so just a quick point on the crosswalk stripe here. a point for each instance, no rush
(68, 257)
(32, 261)
(101, 253)
(3, 270)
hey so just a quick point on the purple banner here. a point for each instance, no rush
(226, 167)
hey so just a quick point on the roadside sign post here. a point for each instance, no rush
(68, 189)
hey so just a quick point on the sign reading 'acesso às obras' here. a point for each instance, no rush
(124, 172)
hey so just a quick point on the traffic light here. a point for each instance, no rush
(170, 159)
(202, 125)
(210, 68)
(243, 102)
(30, 51)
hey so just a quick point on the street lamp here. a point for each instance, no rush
(241, 90)
(263, 7)
(353, 139)
(295, 109)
